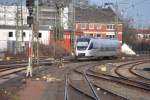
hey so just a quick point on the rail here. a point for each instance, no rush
(92, 88)
(66, 87)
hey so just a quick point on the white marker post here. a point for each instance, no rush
(29, 67)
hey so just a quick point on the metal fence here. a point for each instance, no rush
(143, 53)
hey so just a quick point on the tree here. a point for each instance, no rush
(129, 33)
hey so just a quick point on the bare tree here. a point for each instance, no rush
(129, 33)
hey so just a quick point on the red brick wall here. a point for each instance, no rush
(65, 43)
(103, 30)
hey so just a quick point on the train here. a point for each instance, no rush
(96, 47)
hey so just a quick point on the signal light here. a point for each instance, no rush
(29, 20)
(29, 3)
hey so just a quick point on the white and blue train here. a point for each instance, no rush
(96, 48)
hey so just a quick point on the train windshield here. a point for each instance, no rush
(82, 43)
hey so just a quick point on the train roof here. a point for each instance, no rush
(100, 41)
(97, 38)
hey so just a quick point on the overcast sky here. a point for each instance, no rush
(136, 9)
(139, 10)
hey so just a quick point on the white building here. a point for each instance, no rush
(8, 27)
(8, 15)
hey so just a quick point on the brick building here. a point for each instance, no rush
(143, 35)
(97, 22)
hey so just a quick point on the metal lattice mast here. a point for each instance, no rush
(21, 23)
(19, 27)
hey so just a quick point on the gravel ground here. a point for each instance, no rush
(49, 86)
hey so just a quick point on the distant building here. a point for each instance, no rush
(8, 22)
(143, 35)
(8, 15)
(47, 16)
(97, 22)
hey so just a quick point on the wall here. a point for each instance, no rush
(4, 38)
(99, 28)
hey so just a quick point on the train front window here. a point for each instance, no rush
(82, 44)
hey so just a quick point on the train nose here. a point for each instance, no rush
(81, 54)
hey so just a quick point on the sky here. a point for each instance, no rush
(138, 10)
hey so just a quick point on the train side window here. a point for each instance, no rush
(91, 46)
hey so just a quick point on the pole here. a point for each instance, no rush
(17, 27)
(116, 21)
(29, 67)
(74, 28)
(55, 36)
(37, 25)
(21, 23)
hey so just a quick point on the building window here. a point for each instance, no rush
(24, 34)
(113, 36)
(98, 35)
(83, 25)
(110, 26)
(40, 35)
(91, 26)
(91, 35)
(110, 36)
(98, 26)
(107, 36)
(10, 34)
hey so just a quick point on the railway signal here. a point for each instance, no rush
(30, 20)
(29, 3)
(30, 6)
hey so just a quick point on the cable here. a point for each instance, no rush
(138, 3)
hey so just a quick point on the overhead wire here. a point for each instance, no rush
(137, 3)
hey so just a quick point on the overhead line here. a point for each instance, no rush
(138, 3)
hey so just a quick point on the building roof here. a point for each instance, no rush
(143, 31)
(94, 15)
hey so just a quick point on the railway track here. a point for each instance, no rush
(21, 61)
(124, 71)
(134, 71)
(79, 80)
(136, 86)
(116, 86)
(12, 68)
(83, 90)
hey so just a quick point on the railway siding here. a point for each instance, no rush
(139, 70)
(123, 91)
(55, 81)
